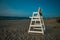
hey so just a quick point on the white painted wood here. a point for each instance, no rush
(36, 17)
(35, 31)
(35, 25)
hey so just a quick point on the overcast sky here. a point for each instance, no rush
(25, 8)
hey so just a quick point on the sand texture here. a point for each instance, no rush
(18, 30)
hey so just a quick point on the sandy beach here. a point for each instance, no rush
(18, 30)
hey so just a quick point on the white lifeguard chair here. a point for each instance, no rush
(37, 23)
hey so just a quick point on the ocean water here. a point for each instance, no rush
(12, 18)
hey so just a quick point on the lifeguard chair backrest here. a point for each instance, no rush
(39, 10)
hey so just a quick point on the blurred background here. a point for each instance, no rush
(25, 8)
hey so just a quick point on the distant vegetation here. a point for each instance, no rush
(12, 18)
